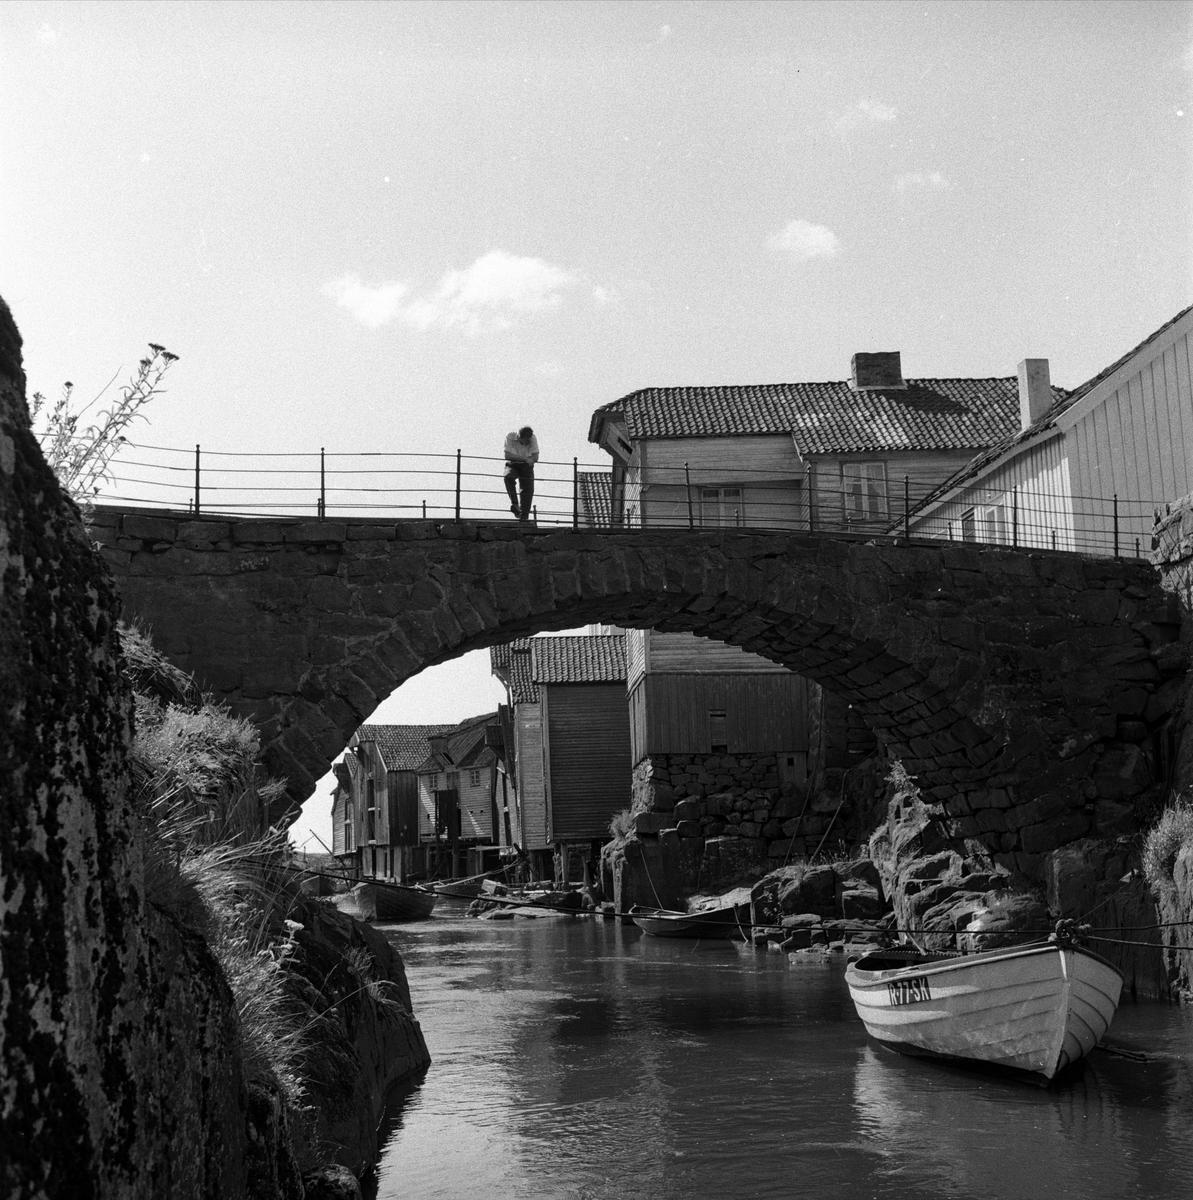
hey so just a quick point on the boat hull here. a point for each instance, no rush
(392, 903)
(1037, 1008)
(661, 922)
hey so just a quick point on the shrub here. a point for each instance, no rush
(1171, 833)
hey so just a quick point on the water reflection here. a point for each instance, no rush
(579, 1060)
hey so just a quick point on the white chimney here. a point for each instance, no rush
(1035, 391)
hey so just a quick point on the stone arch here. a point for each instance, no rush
(1000, 677)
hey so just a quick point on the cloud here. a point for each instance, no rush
(48, 35)
(802, 241)
(867, 112)
(921, 181)
(371, 306)
(494, 292)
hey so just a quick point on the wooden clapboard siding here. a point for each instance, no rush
(639, 738)
(635, 655)
(1130, 436)
(1035, 492)
(476, 805)
(742, 458)
(765, 713)
(1136, 440)
(923, 470)
(532, 801)
(687, 653)
(588, 758)
(631, 501)
(403, 808)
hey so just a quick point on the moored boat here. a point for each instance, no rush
(389, 902)
(1037, 1008)
(707, 923)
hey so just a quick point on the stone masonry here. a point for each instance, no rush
(1020, 689)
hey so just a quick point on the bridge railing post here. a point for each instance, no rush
(906, 509)
(1015, 516)
(458, 454)
(575, 493)
(687, 474)
(322, 486)
(196, 479)
(1116, 524)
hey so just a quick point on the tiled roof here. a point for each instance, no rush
(402, 747)
(827, 418)
(511, 664)
(465, 745)
(596, 498)
(1065, 401)
(585, 659)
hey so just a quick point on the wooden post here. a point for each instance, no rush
(196, 479)
(687, 474)
(1116, 524)
(575, 493)
(906, 509)
(457, 485)
(322, 486)
(1015, 516)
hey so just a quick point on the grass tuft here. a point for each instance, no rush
(1172, 832)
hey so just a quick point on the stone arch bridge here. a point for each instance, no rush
(1019, 689)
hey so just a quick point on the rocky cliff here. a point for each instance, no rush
(120, 1044)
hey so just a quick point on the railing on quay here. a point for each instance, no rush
(458, 486)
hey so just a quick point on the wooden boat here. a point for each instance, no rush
(390, 902)
(1036, 1008)
(709, 923)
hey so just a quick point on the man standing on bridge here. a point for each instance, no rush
(521, 453)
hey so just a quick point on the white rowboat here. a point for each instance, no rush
(1036, 1008)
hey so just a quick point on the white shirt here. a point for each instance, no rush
(517, 450)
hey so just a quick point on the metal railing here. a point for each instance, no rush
(329, 485)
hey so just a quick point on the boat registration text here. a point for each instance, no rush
(909, 991)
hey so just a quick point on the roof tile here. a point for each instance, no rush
(827, 418)
(589, 658)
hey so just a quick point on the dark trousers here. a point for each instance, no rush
(520, 475)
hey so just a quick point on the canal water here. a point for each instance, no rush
(576, 1059)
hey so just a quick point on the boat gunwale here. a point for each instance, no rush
(854, 972)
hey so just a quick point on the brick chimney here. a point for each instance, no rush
(1035, 391)
(880, 372)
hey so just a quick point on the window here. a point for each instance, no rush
(992, 523)
(721, 506)
(718, 732)
(349, 826)
(474, 779)
(863, 491)
(371, 813)
(969, 526)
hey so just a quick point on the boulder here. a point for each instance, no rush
(331, 1183)
(859, 902)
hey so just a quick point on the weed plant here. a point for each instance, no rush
(79, 454)
(1172, 833)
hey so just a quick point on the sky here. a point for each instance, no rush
(411, 227)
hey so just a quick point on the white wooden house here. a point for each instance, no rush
(843, 455)
(1083, 470)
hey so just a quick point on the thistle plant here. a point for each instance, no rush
(81, 455)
